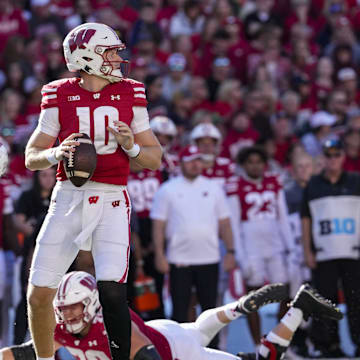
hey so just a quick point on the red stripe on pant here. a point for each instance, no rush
(127, 203)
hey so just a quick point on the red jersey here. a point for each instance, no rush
(258, 200)
(143, 185)
(222, 171)
(89, 112)
(95, 344)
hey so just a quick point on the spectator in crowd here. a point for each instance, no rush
(190, 214)
(320, 124)
(158, 104)
(241, 134)
(146, 23)
(188, 20)
(351, 141)
(262, 233)
(12, 23)
(178, 79)
(331, 244)
(43, 21)
(83, 13)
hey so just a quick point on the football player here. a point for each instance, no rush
(81, 331)
(110, 108)
(262, 233)
(207, 137)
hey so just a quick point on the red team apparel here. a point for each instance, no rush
(95, 344)
(85, 218)
(260, 222)
(143, 185)
(88, 112)
(222, 172)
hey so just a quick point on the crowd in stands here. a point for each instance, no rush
(278, 74)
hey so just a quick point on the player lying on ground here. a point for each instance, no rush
(81, 331)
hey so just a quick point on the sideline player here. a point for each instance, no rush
(111, 109)
(80, 325)
(261, 227)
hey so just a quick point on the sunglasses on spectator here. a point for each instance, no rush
(333, 155)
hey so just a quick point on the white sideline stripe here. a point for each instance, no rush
(49, 90)
(54, 96)
(139, 89)
(140, 96)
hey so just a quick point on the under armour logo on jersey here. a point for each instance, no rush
(93, 199)
(96, 96)
(115, 203)
(115, 97)
(114, 345)
(79, 39)
(93, 343)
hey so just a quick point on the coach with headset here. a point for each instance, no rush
(331, 238)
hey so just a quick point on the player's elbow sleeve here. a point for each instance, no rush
(147, 352)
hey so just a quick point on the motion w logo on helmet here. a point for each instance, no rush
(79, 39)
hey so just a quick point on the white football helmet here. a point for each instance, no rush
(204, 130)
(77, 287)
(85, 49)
(163, 125)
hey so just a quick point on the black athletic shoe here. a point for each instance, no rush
(313, 304)
(254, 300)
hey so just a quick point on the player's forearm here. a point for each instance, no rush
(149, 157)
(306, 233)
(37, 158)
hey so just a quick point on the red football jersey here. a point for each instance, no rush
(95, 344)
(258, 200)
(222, 171)
(91, 113)
(143, 185)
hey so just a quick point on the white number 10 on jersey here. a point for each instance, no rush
(103, 116)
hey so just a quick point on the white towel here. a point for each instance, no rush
(92, 202)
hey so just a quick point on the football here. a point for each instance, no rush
(81, 164)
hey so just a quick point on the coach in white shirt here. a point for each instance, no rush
(190, 214)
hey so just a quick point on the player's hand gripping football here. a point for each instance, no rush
(66, 146)
(123, 134)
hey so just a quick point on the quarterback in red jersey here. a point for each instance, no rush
(81, 331)
(111, 109)
(262, 233)
(207, 137)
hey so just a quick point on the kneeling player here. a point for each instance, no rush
(81, 331)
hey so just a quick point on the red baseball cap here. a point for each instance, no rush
(190, 153)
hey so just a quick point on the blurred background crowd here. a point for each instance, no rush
(278, 74)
